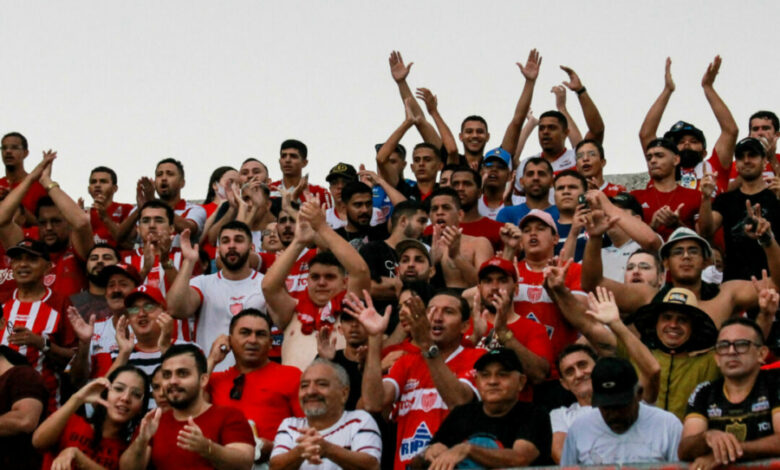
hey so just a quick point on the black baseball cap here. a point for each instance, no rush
(342, 170)
(749, 144)
(681, 128)
(614, 382)
(29, 246)
(398, 148)
(506, 357)
(627, 201)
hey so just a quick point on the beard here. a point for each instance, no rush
(184, 402)
(235, 265)
(689, 158)
(361, 226)
(315, 411)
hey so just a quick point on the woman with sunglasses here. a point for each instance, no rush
(119, 401)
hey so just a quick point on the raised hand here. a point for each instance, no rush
(574, 84)
(219, 349)
(712, 71)
(417, 319)
(90, 393)
(188, 250)
(413, 113)
(45, 178)
(451, 237)
(708, 186)
(760, 229)
(326, 343)
(144, 191)
(560, 96)
(511, 237)
(44, 165)
(191, 438)
(125, 339)
(598, 223)
(312, 213)
(531, 120)
(149, 425)
(531, 69)
(366, 314)
(83, 330)
(668, 82)
(398, 70)
(165, 322)
(430, 100)
(602, 306)
(300, 188)
(555, 273)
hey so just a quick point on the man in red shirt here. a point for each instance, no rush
(468, 184)
(105, 215)
(266, 392)
(666, 204)
(14, 149)
(689, 140)
(301, 313)
(426, 385)
(194, 434)
(293, 157)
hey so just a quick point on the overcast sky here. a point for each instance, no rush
(126, 84)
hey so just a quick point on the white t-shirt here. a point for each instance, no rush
(652, 438)
(355, 430)
(336, 222)
(220, 300)
(561, 418)
(614, 259)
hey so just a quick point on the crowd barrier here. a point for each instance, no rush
(773, 464)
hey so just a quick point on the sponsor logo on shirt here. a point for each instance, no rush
(762, 404)
(714, 411)
(411, 385)
(413, 445)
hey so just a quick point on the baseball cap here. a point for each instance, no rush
(29, 246)
(408, 243)
(540, 215)
(665, 143)
(680, 300)
(498, 264)
(498, 154)
(398, 148)
(505, 357)
(342, 170)
(120, 268)
(684, 233)
(681, 128)
(150, 292)
(614, 382)
(627, 201)
(749, 144)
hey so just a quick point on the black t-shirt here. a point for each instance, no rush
(744, 256)
(18, 383)
(524, 421)
(749, 420)
(363, 237)
(355, 374)
(382, 262)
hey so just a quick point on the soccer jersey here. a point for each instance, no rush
(299, 273)
(420, 409)
(533, 302)
(117, 212)
(322, 194)
(651, 200)
(66, 276)
(31, 197)
(102, 348)
(156, 275)
(612, 189)
(220, 300)
(355, 431)
(486, 211)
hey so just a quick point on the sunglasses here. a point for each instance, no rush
(148, 308)
(238, 387)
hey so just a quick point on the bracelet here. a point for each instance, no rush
(167, 264)
(52, 185)
(581, 91)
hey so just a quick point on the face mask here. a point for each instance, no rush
(689, 158)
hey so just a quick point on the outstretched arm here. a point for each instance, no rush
(530, 71)
(447, 138)
(183, 300)
(725, 144)
(650, 125)
(281, 304)
(525, 133)
(400, 72)
(575, 136)
(592, 116)
(387, 149)
(10, 232)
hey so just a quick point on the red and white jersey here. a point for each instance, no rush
(533, 302)
(565, 161)
(690, 178)
(486, 211)
(420, 409)
(156, 276)
(355, 430)
(322, 194)
(102, 347)
(612, 189)
(298, 277)
(220, 300)
(117, 212)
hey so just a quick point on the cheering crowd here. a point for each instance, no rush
(490, 309)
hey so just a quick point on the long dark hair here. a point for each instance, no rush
(99, 416)
(216, 175)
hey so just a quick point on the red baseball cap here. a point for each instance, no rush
(150, 292)
(541, 215)
(500, 264)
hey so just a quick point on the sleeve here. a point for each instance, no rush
(722, 180)
(235, 429)
(449, 431)
(197, 284)
(28, 383)
(197, 214)
(294, 382)
(674, 430)
(371, 255)
(284, 440)
(101, 363)
(718, 202)
(537, 341)
(557, 421)
(569, 454)
(397, 374)
(538, 431)
(697, 402)
(573, 279)
(367, 439)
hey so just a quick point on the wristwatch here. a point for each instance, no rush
(431, 353)
(46, 344)
(505, 337)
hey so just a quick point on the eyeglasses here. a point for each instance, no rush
(741, 346)
(680, 251)
(238, 387)
(11, 147)
(148, 308)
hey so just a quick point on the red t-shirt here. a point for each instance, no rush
(651, 200)
(79, 433)
(484, 227)
(210, 208)
(117, 212)
(67, 276)
(420, 409)
(221, 424)
(270, 395)
(534, 303)
(613, 189)
(30, 199)
(322, 194)
(299, 274)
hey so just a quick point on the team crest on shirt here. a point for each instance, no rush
(428, 400)
(413, 445)
(49, 279)
(534, 293)
(236, 308)
(289, 284)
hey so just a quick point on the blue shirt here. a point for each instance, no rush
(513, 214)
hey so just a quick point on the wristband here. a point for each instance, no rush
(581, 91)
(52, 185)
(46, 344)
(506, 337)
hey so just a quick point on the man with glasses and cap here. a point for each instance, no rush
(499, 430)
(744, 257)
(265, 391)
(736, 417)
(620, 428)
(496, 173)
